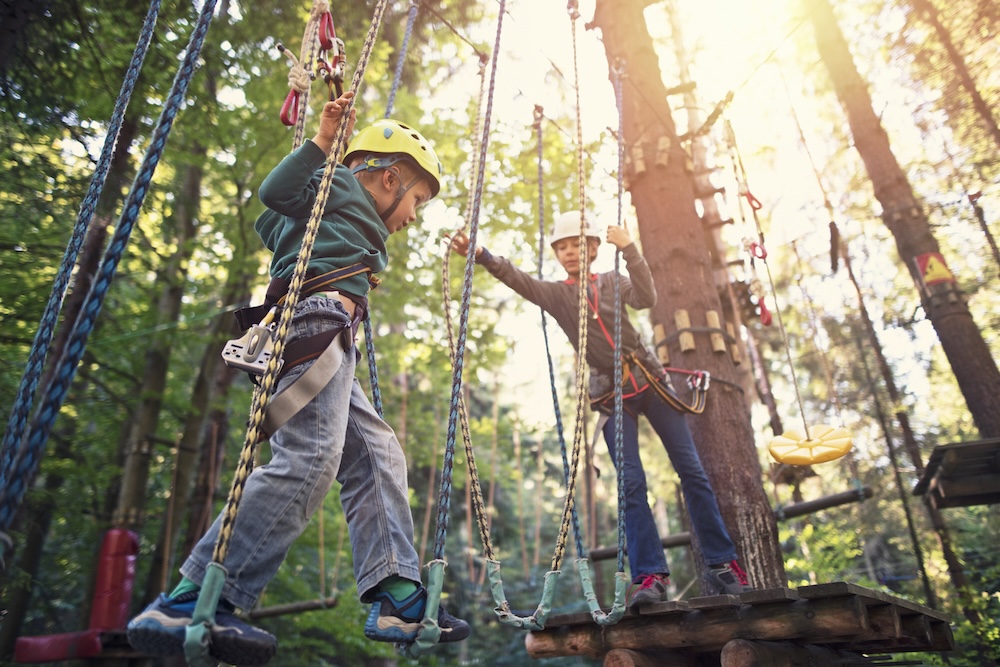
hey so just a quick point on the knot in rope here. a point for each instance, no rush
(299, 79)
(319, 8)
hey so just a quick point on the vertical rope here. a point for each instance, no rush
(463, 413)
(56, 392)
(444, 501)
(369, 331)
(617, 74)
(410, 20)
(581, 360)
(43, 337)
(538, 116)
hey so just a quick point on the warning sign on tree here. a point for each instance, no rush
(933, 269)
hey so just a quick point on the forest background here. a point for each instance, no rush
(151, 380)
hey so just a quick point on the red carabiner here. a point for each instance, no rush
(290, 109)
(758, 250)
(753, 201)
(765, 315)
(327, 32)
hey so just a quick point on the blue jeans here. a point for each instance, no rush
(645, 553)
(338, 435)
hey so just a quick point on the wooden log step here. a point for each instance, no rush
(627, 658)
(705, 630)
(745, 653)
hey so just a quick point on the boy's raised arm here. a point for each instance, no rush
(640, 293)
(539, 292)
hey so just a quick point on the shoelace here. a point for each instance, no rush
(649, 581)
(741, 576)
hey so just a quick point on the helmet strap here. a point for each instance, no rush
(401, 191)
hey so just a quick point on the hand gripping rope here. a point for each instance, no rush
(198, 633)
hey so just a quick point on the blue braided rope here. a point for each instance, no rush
(369, 337)
(410, 20)
(43, 338)
(560, 432)
(56, 393)
(444, 499)
(372, 367)
(619, 455)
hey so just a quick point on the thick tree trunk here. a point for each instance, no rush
(707, 193)
(674, 244)
(143, 425)
(963, 344)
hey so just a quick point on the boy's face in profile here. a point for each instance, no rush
(390, 181)
(416, 196)
(568, 253)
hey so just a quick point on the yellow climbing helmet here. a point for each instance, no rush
(567, 226)
(384, 140)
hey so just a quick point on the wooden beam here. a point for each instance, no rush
(621, 657)
(708, 629)
(745, 653)
(294, 608)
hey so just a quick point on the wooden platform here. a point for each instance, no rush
(837, 619)
(962, 474)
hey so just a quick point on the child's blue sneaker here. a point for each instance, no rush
(392, 621)
(161, 628)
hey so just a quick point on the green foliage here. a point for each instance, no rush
(59, 89)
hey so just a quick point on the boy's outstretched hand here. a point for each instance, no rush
(619, 237)
(460, 244)
(330, 118)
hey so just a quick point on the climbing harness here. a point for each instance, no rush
(251, 351)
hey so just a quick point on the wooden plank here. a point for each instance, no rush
(715, 602)
(951, 459)
(915, 634)
(885, 620)
(584, 618)
(663, 608)
(766, 595)
(943, 640)
(971, 489)
(704, 630)
(841, 588)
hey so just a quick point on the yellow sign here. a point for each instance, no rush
(933, 269)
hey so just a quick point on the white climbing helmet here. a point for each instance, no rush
(567, 226)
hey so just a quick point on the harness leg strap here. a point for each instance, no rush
(306, 386)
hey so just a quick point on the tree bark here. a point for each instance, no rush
(143, 424)
(660, 180)
(963, 343)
